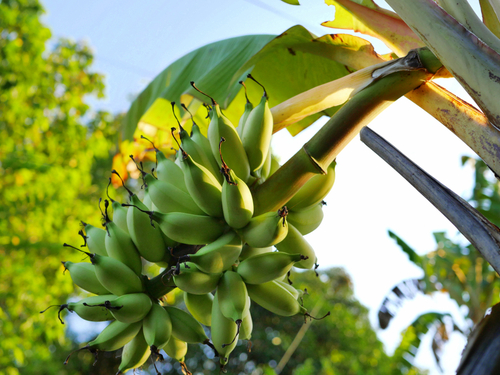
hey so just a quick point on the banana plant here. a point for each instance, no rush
(350, 83)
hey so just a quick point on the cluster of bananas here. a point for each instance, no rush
(197, 221)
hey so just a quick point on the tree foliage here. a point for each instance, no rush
(52, 147)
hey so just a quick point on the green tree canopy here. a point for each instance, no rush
(51, 152)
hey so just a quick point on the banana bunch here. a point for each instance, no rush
(196, 220)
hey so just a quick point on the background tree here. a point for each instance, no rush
(52, 152)
(454, 267)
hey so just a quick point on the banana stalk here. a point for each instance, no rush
(472, 62)
(461, 118)
(483, 235)
(317, 154)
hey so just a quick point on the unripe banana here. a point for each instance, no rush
(266, 267)
(244, 116)
(115, 276)
(169, 171)
(115, 336)
(306, 220)
(219, 255)
(276, 298)
(295, 243)
(176, 349)
(83, 275)
(96, 240)
(275, 164)
(128, 308)
(203, 186)
(119, 246)
(194, 281)
(266, 168)
(185, 327)
(204, 144)
(120, 216)
(135, 353)
(246, 328)
(157, 327)
(297, 293)
(224, 332)
(91, 314)
(169, 198)
(197, 153)
(237, 200)
(248, 251)
(188, 228)
(200, 307)
(234, 153)
(265, 230)
(233, 297)
(314, 190)
(147, 239)
(257, 134)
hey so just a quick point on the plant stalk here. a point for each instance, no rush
(317, 154)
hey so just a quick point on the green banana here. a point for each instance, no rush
(83, 275)
(204, 144)
(157, 327)
(266, 168)
(128, 308)
(114, 336)
(95, 239)
(188, 228)
(135, 353)
(203, 186)
(275, 298)
(197, 153)
(306, 220)
(147, 239)
(275, 164)
(115, 276)
(248, 251)
(224, 333)
(185, 327)
(266, 230)
(194, 281)
(266, 267)
(200, 307)
(237, 200)
(176, 349)
(151, 207)
(233, 297)
(219, 255)
(297, 293)
(169, 198)
(246, 112)
(120, 216)
(221, 127)
(119, 246)
(295, 243)
(257, 133)
(314, 190)
(246, 328)
(169, 171)
(89, 313)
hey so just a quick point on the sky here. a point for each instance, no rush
(134, 41)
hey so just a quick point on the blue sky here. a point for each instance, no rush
(134, 41)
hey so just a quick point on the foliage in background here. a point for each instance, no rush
(55, 160)
(454, 268)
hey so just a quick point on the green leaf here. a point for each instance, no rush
(490, 17)
(286, 65)
(211, 67)
(414, 257)
(366, 17)
(291, 2)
